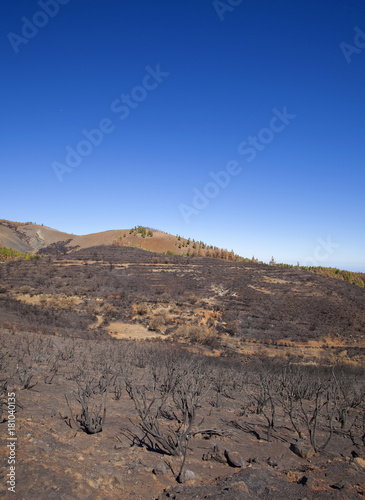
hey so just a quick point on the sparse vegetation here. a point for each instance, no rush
(10, 254)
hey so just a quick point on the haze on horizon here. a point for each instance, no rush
(237, 123)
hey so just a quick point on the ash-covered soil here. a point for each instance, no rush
(243, 363)
(251, 301)
(229, 453)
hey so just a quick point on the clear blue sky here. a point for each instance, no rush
(181, 89)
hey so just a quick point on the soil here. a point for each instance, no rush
(94, 303)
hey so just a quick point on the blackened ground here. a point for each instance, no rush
(253, 301)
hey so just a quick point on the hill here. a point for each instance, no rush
(29, 238)
(240, 379)
(32, 238)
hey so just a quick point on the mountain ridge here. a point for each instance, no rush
(31, 238)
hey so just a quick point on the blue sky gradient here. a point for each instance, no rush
(226, 66)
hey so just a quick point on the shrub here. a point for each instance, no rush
(142, 231)
(197, 334)
(142, 309)
(157, 323)
(91, 396)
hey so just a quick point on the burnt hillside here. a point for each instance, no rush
(251, 300)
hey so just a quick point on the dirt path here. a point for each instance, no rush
(120, 330)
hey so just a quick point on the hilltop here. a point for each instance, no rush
(32, 238)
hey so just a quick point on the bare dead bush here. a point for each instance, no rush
(50, 370)
(265, 384)
(26, 375)
(67, 352)
(357, 430)
(91, 396)
(166, 402)
(310, 398)
(351, 392)
(223, 383)
(319, 399)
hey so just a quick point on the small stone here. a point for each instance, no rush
(302, 449)
(241, 486)
(159, 469)
(118, 446)
(94, 484)
(189, 475)
(341, 485)
(360, 461)
(307, 481)
(218, 454)
(234, 459)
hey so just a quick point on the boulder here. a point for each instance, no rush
(189, 475)
(302, 449)
(234, 459)
(159, 469)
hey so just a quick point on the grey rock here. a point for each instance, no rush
(302, 449)
(341, 485)
(189, 475)
(216, 453)
(234, 459)
(159, 469)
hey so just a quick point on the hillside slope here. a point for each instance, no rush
(32, 238)
(28, 237)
